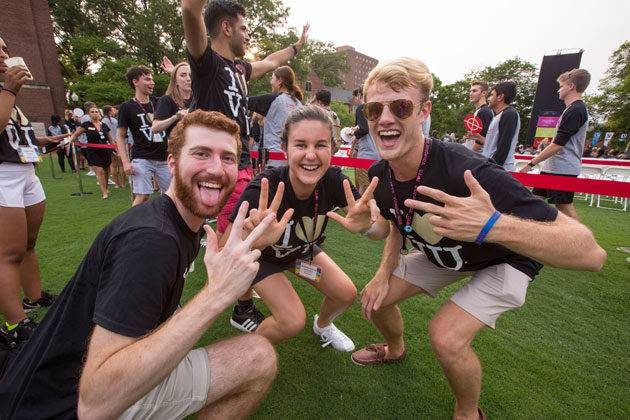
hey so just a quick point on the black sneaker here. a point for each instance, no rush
(46, 299)
(247, 322)
(21, 333)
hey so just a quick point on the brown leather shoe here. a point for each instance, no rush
(374, 354)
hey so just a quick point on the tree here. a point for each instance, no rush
(613, 103)
(521, 72)
(450, 105)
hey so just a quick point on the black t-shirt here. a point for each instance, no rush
(18, 132)
(485, 114)
(129, 282)
(219, 84)
(361, 122)
(166, 108)
(138, 118)
(295, 243)
(444, 170)
(95, 136)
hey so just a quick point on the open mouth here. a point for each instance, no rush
(389, 137)
(210, 192)
(310, 168)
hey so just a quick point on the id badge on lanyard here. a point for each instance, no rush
(29, 154)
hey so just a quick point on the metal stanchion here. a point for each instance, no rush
(78, 169)
(129, 177)
(52, 168)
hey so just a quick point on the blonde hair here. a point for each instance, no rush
(580, 77)
(400, 74)
(173, 90)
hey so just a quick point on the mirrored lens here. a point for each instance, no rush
(373, 110)
(401, 108)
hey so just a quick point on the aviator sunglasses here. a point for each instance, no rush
(401, 108)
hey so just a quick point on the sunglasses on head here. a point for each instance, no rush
(400, 108)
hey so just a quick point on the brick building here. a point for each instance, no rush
(28, 32)
(360, 66)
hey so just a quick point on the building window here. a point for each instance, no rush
(308, 87)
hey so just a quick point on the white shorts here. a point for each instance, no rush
(180, 394)
(19, 186)
(144, 169)
(489, 293)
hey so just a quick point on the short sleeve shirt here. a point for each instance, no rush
(17, 133)
(444, 171)
(301, 231)
(138, 117)
(219, 84)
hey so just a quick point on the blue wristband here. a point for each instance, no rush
(491, 221)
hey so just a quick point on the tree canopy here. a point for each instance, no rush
(98, 39)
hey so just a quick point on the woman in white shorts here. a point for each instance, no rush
(21, 208)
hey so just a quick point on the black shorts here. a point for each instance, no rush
(267, 268)
(555, 196)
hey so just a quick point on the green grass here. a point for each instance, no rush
(564, 355)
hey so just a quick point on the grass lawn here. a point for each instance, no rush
(564, 355)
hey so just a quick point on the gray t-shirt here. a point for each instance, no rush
(502, 137)
(366, 148)
(570, 134)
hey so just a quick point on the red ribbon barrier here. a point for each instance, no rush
(96, 145)
(554, 182)
(587, 161)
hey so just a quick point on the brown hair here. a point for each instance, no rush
(287, 77)
(483, 85)
(305, 113)
(173, 90)
(208, 119)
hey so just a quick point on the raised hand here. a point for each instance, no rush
(15, 77)
(361, 213)
(231, 271)
(461, 218)
(303, 38)
(167, 65)
(256, 216)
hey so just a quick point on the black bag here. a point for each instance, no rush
(8, 353)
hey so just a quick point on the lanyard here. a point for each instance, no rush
(310, 245)
(18, 123)
(407, 226)
(143, 110)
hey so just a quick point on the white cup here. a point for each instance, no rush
(17, 61)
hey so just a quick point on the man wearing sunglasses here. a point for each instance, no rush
(441, 201)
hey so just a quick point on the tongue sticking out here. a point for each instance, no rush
(209, 196)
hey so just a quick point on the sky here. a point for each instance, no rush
(454, 37)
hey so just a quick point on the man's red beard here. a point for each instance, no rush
(186, 195)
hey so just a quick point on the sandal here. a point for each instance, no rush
(374, 354)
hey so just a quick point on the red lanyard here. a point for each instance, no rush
(407, 227)
(143, 110)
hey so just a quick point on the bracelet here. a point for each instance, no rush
(531, 163)
(295, 50)
(9, 90)
(370, 230)
(484, 231)
(479, 143)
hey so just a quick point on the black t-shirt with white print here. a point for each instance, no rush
(138, 117)
(166, 108)
(295, 242)
(444, 171)
(129, 282)
(485, 114)
(219, 84)
(18, 132)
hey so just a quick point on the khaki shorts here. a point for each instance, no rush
(145, 169)
(489, 293)
(19, 186)
(180, 394)
(361, 178)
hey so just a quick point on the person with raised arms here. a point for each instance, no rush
(305, 192)
(454, 214)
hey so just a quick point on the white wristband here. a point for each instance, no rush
(370, 230)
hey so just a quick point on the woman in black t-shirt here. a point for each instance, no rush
(173, 106)
(305, 193)
(100, 158)
(22, 205)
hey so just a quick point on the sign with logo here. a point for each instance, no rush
(596, 136)
(622, 138)
(608, 137)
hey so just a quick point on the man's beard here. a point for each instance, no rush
(186, 195)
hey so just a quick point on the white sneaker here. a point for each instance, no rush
(110, 182)
(332, 335)
(91, 173)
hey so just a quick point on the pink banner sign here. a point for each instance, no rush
(547, 121)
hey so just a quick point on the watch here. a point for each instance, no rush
(531, 163)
